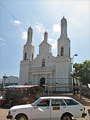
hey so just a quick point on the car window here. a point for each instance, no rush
(58, 102)
(44, 103)
(70, 102)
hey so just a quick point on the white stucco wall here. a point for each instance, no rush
(12, 79)
(24, 71)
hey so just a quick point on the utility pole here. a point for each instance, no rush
(3, 83)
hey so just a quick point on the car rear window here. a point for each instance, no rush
(71, 102)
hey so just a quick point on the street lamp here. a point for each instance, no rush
(3, 82)
(72, 67)
(73, 60)
(4, 79)
(73, 56)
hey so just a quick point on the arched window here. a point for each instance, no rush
(43, 63)
(25, 56)
(32, 56)
(62, 51)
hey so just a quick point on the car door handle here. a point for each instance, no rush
(47, 107)
(64, 107)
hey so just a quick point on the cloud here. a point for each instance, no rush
(53, 42)
(39, 27)
(81, 7)
(1, 38)
(56, 28)
(24, 35)
(2, 42)
(42, 38)
(17, 22)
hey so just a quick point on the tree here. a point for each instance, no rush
(82, 71)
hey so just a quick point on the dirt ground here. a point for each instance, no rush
(4, 112)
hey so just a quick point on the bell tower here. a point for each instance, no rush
(63, 41)
(28, 52)
(28, 55)
(63, 64)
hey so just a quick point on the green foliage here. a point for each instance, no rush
(82, 71)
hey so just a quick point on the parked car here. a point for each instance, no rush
(48, 108)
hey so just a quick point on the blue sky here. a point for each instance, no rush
(17, 16)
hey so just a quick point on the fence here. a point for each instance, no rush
(75, 91)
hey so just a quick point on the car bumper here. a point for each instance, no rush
(84, 114)
(9, 116)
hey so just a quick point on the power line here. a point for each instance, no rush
(11, 14)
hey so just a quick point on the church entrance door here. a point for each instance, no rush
(42, 82)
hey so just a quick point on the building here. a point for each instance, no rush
(46, 69)
(9, 80)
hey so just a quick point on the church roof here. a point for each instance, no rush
(43, 42)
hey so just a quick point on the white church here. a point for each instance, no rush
(47, 69)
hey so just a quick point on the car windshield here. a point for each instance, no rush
(36, 102)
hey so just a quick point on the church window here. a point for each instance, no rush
(43, 63)
(32, 56)
(25, 56)
(62, 51)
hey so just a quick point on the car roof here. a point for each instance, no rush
(55, 97)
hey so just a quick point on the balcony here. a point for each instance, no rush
(42, 69)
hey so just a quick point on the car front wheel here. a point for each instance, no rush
(66, 117)
(22, 117)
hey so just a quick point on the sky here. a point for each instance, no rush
(42, 15)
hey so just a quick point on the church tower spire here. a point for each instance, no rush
(64, 28)
(30, 34)
(45, 36)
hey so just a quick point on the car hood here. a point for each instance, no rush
(21, 107)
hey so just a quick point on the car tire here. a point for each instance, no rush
(21, 117)
(66, 117)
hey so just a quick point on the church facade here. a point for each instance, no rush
(46, 69)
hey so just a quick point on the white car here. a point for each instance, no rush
(48, 108)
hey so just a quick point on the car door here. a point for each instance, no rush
(42, 110)
(58, 107)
